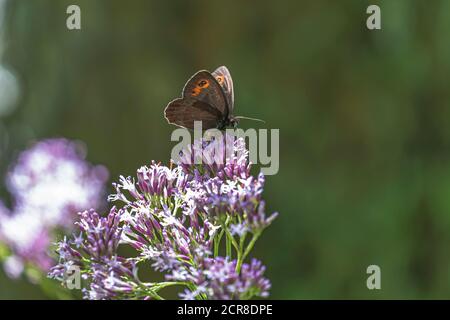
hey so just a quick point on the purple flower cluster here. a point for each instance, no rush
(196, 222)
(218, 279)
(95, 250)
(238, 200)
(49, 184)
(224, 157)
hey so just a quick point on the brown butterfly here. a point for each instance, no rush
(207, 97)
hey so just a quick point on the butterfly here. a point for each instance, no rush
(206, 97)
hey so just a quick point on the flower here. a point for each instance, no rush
(225, 157)
(241, 199)
(13, 266)
(56, 169)
(49, 184)
(95, 250)
(153, 181)
(218, 280)
(176, 220)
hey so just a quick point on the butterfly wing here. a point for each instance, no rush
(204, 87)
(223, 77)
(184, 111)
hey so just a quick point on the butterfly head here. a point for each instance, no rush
(233, 122)
(230, 122)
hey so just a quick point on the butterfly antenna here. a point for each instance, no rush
(248, 118)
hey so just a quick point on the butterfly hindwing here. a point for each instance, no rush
(223, 77)
(184, 111)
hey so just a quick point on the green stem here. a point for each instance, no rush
(163, 285)
(217, 243)
(156, 296)
(249, 248)
(228, 246)
(240, 253)
(232, 239)
(152, 289)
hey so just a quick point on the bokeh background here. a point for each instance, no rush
(363, 116)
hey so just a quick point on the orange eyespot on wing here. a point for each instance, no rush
(204, 87)
(201, 85)
(196, 91)
(220, 79)
(223, 77)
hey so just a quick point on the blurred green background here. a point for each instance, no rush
(363, 116)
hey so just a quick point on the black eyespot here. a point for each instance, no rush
(202, 83)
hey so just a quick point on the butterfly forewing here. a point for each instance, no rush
(204, 87)
(206, 97)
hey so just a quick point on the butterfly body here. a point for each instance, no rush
(207, 97)
(230, 122)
